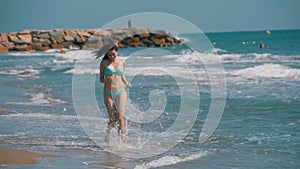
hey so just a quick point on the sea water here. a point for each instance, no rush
(259, 127)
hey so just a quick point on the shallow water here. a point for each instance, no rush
(259, 127)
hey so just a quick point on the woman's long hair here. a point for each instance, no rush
(111, 49)
(105, 50)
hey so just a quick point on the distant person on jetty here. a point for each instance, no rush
(129, 24)
(115, 93)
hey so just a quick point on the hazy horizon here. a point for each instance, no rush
(208, 15)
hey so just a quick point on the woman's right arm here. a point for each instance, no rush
(102, 69)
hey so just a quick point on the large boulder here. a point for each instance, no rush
(56, 36)
(23, 48)
(73, 35)
(68, 37)
(43, 35)
(25, 38)
(44, 48)
(3, 48)
(138, 31)
(144, 35)
(8, 45)
(67, 44)
(83, 33)
(3, 38)
(56, 46)
(24, 32)
(37, 45)
(102, 33)
(159, 42)
(148, 43)
(45, 42)
(12, 37)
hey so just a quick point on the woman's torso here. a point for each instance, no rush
(115, 70)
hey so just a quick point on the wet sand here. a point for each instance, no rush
(17, 156)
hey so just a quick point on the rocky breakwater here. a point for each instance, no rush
(41, 40)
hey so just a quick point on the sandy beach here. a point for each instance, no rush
(17, 156)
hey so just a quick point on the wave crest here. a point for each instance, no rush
(268, 71)
(170, 160)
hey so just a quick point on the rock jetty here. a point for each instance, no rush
(41, 40)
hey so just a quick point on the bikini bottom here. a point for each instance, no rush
(114, 95)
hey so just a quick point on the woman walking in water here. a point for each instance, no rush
(115, 94)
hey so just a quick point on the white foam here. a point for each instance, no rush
(42, 98)
(70, 57)
(173, 68)
(33, 53)
(81, 71)
(187, 58)
(196, 57)
(40, 115)
(213, 56)
(75, 55)
(216, 50)
(54, 52)
(170, 160)
(268, 71)
(55, 61)
(39, 99)
(254, 57)
(231, 57)
(24, 73)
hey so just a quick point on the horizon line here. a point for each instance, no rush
(209, 32)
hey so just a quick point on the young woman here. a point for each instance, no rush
(115, 94)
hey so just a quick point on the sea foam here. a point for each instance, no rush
(170, 160)
(268, 71)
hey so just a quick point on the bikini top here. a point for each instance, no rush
(110, 70)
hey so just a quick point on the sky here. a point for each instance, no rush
(207, 15)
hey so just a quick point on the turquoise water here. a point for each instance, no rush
(259, 126)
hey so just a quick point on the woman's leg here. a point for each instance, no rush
(109, 104)
(121, 102)
(111, 110)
